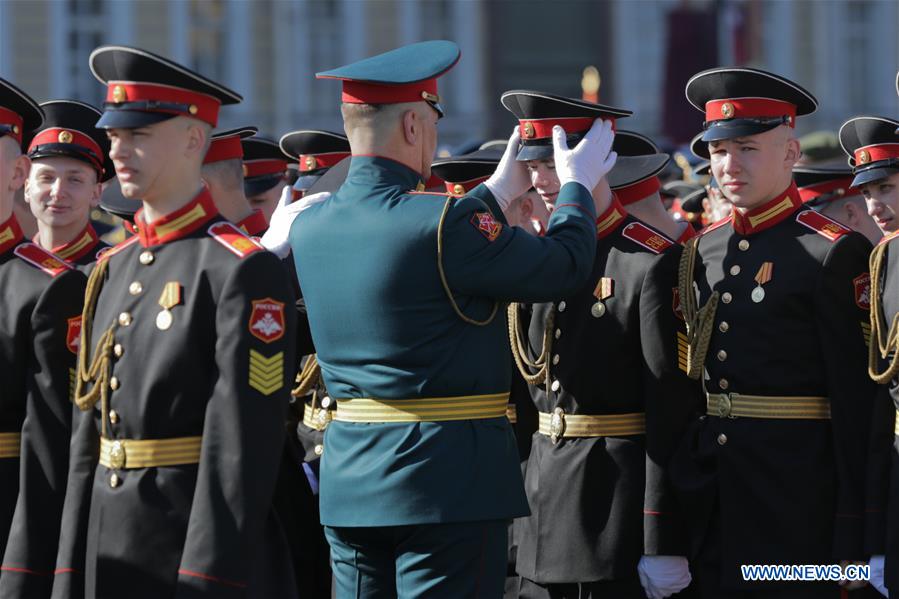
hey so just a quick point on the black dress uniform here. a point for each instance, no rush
(40, 318)
(775, 300)
(69, 130)
(871, 145)
(184, 378)
(608, 381)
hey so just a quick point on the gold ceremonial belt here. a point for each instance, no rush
(316, 418)
(732, 405)
(512, 413)
(9, 444)
(558, 425)
(123, 454)
(431, 409)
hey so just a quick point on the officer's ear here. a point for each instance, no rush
(21, 166)
(411, 126)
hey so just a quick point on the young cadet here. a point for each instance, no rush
(774, 299)
(265, 173)
(602, 363)
(223, 175)
(40, 318)
(184, 368)
(829, 190)
(420, 472)
(69, 163)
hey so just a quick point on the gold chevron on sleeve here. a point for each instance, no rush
(866, 332)
(266, 373)
(682, 351)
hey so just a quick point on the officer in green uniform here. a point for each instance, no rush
(774, 299)
(70, 162)
(404, 292)
(184, 368)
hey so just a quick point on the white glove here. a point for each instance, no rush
(663, 575)
(876, 580)
(589, 160)
(510, 179)
(275, 239)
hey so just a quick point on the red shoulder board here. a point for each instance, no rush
(40, 258)
(234, 239)
(107, 253)
(887, 238)
(716, 225)
(643, 235)
(822, 225)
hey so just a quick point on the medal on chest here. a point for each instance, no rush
(604, 289)
(171, 297)
(764, 275)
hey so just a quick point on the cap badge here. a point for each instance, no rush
(864, 157)
(528, 131)
(118, 94)
(310, 162)
(458, 190)
(727, 110)
(65, 137)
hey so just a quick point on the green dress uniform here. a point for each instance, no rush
(40, 316)
(775, 300)
(183, 384)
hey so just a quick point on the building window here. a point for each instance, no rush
(87, 21)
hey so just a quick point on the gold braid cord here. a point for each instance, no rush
(96, 370)
(891, 344)
(308, 377)
(446, 287)
(699, 321)
(538, 370)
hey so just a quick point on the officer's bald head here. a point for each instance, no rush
(405, 132)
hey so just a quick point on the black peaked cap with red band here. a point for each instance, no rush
(634, 175)
(226, 145)
(406, 74)
(315, 150)
(70, 130)
(872, 146)
(18, 112)
(264, 165)
(539, 112)
(144, 88)
(465, 172)
(819, 184)
(738, 102)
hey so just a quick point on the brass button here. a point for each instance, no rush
(722, 439)
(135, 288)
(118, 350)
(114, 383)
(125, 319)
(722, 355)
(562, 306)
(326, 401)
(114, 480)
(735, 270)
(743, 245)
(723, 384)
(193, 109)
(556, 359)
(558, 333)
(318, 449)
(147, 257)
(723, 327)
(113, 416)
(726, 297)
(556, 386)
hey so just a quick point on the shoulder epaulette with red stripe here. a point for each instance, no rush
(715, 225)
(235, 240)
(824, 226)
(40, 258)
(107, 253)
(888, 237)
(648, 238)
(443, 194)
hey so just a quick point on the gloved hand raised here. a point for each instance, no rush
(510, 179)
(275, 239)
(590, 160)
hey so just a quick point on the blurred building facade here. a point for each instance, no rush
(845, 52)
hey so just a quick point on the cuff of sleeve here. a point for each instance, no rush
(848, 537)
(575, 195)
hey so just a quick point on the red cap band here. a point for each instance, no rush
(199, 106)
(874, 153)
(224, 148)
(543, 128)
(312, 162)
(749, 108)
(259, 168)
(638, 191)
(363, 92)
(810, 192)
(59, 135)
(8, 117)
(462, 187)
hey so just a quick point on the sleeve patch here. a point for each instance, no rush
(234, 239)
(42, 259)
(862, 284)
(267, 320)
(646, 237)
(73, 334)
(266, 373)
(486, 225)
(822, 225)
